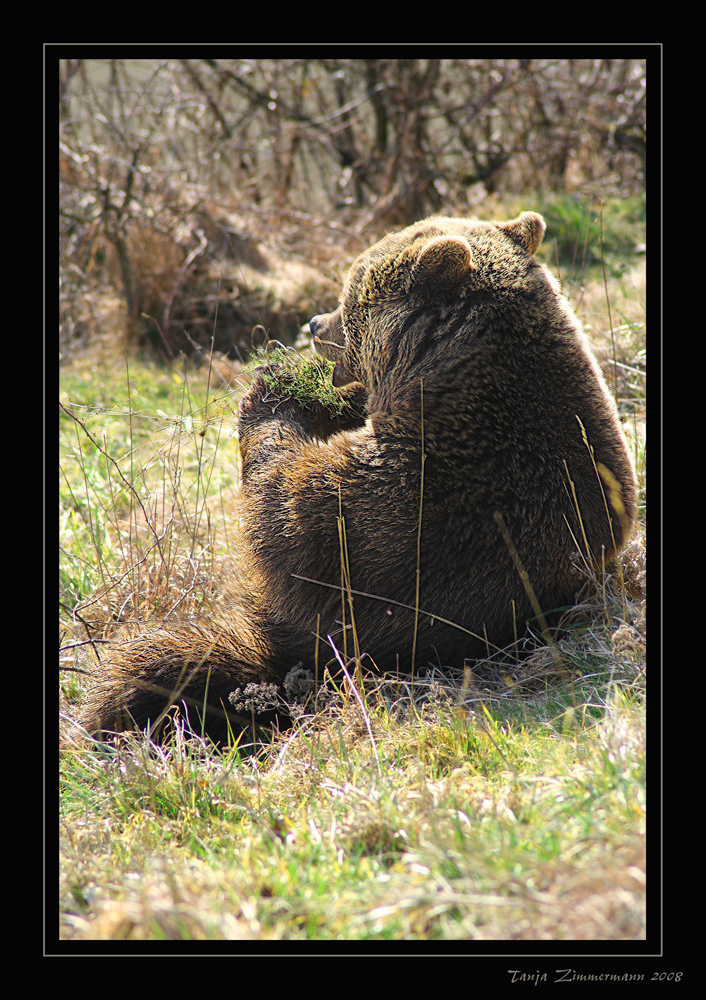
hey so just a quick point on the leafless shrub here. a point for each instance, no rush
(188, 184)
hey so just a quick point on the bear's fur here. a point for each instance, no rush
(430, 529)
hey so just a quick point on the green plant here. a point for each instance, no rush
(503, 803)
(303, 377)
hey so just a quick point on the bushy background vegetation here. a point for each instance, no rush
(240, 186)
(206, 206)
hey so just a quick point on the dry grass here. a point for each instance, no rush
(473, 828)
(506, 804)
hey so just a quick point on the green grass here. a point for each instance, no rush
(303, 377)
(508, 805)
(147, 461)
(504, 805)
(582, 232)
(471, 828)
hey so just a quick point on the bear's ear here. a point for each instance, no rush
(444, 261)
(527, 230)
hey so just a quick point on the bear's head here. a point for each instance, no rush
(410, 284)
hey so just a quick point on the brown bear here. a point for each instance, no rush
(480, 459)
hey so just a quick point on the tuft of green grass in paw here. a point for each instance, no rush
(305, 378)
